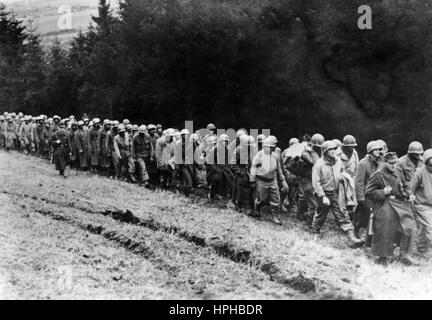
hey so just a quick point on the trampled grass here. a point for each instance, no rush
(294, 259)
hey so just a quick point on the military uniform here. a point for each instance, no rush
(142, 152)
(393, 219)
(326, 177)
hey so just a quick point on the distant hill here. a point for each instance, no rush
(43, 16)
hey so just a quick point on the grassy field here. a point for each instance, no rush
(170, 246)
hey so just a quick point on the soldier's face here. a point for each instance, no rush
(415, 156)
(391, 164)
(331, 153)
(376, 153)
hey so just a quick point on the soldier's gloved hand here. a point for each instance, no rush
(326, 201)
(387, 190)
(412, 198)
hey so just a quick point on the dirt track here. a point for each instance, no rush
(115, 240)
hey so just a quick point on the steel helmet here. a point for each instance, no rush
(106, 121)
(128, 126)
(293, 141)
(51, 120)
(223, 137)
(327, 145)
(415, 147)
(86, 119)
(159, 126)
(373, 145)
(115, 123)
(349, 141)
(96, 120)
(170, 132)
(274, 139)
(212, 140)
(121, 128)
(13, 114)
(9, 118)
(20, 115)
(427, 155)
(317, 140)
(126, 121)
(151, 127)
(261, 138)
(142, 129)
(240, 133)
(251, 140)
(135, 127)
(244, 140)
(71, 117)
(2, 118)
(80, 123)
(185, 132)
(269, 142)
(211, 126)
(383, 145)
(338, 142)
(56, 117)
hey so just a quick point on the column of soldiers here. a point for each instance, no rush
(379, 201)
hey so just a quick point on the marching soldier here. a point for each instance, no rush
(59, 141)
(394, 220)
(410, 162)
(142, 152)
(122, 147)
(265, 174)
(326, 178)
(93, 136)
(103, 151)
(367, 166)
(81, 145)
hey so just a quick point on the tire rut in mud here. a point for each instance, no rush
(298, 282)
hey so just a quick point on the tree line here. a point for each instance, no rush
(294, 66)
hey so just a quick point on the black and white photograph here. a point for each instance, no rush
(208, 150)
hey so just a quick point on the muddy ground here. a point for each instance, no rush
(87, 237)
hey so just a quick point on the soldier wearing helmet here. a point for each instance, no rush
(81, 145)
(142, 152)
(326, 179)
(366, 167)
(220, 175)
(73, 150)
(211, 132)
(348, 155)
(307, 202)
(122, 147)
(25, 135)
(241, 165)
(165, 149)
(184, 162)
(60, 143)
(265, 173)
(260, 141)
(93, 135)
(109, 145)
(410, 162)
(10, 133)
(420, 192)
(2, 129)
(102, 148)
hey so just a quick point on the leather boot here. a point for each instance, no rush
(354, 241)
(273, 211)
